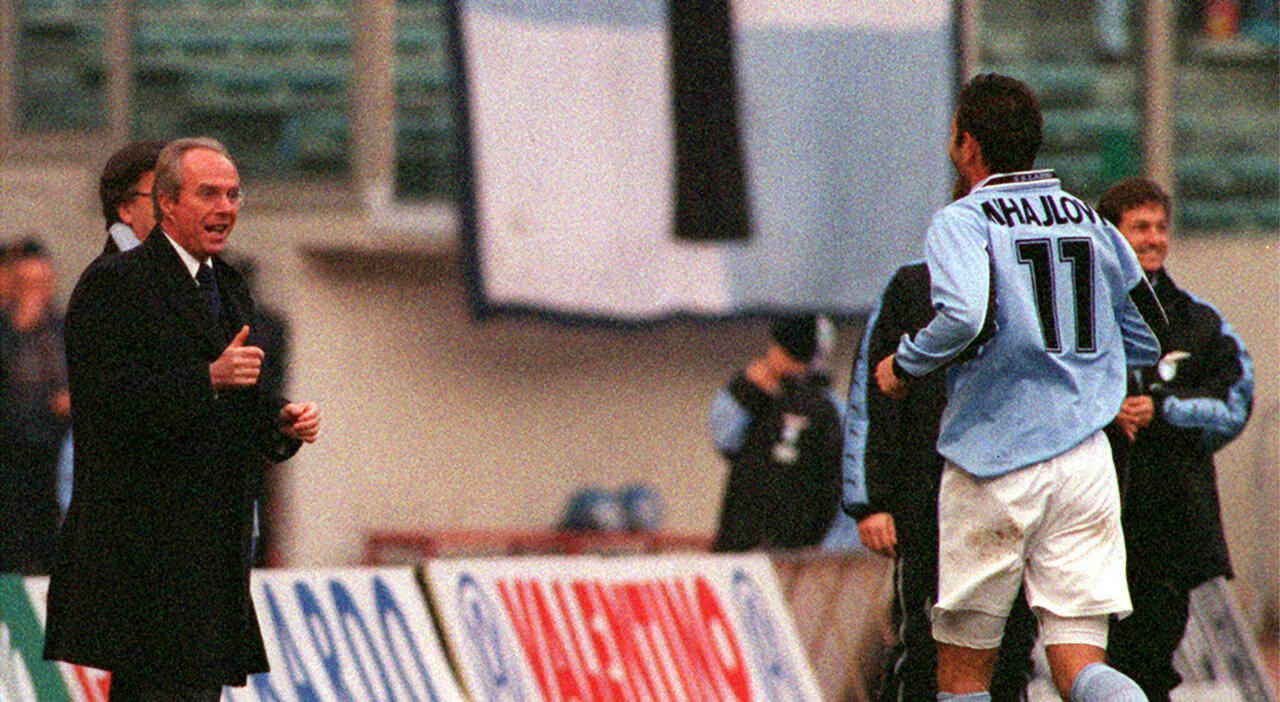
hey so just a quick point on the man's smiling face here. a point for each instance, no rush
(1146, 228)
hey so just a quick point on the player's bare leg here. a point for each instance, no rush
(1068, 660)
(963, 670)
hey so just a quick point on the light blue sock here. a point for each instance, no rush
(969, 697)
(1098, 682)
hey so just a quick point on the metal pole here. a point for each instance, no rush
(119, 71)
(372, 99)
(966, 39)
(8, 71)
(1157, 93)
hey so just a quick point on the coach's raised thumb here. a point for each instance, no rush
(240, 337)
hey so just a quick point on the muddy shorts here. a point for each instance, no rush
(1053, 526)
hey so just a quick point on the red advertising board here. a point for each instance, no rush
(678, 628)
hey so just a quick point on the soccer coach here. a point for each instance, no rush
(151, 578)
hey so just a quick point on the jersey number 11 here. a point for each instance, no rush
(1077, 253)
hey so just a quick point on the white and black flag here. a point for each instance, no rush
(711, 190)
(634, 160)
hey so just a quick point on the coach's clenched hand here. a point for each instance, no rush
(877, 532)
(237, 366)
(300, 420)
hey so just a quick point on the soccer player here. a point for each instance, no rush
(1028, 496)
(891, 475)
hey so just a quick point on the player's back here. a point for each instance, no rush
(1054, 372)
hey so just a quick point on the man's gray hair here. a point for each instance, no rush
(169, 166)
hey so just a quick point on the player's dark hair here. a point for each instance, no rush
(1003, 115)
(122, 172)
(1128, 194)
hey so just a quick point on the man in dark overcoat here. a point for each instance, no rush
(151, 578)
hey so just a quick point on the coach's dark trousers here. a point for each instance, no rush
(136, 688)
(1142, 644)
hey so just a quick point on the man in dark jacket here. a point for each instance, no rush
(892, 471)
(778, 424)
(1195, 400)
(151, 578)
(124, 190)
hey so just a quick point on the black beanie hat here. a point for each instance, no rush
(797, 335)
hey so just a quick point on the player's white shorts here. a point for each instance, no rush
(1054, 525)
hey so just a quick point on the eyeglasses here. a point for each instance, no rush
(209, 193)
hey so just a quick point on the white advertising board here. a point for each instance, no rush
(346, 634)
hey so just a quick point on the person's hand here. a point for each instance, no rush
(887, 381)
(760, 375)
(238, 365)
(300, 420)
(877, 532)
(27, 312)
(60, 404)
(1136, 411)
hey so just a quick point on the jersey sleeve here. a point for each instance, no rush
(956, 251)
(1144, 327)
(1140, 316)
(727, 421)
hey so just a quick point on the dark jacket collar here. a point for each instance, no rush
(178, 289)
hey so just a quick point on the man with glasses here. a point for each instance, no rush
(125, 191)
(151, 577)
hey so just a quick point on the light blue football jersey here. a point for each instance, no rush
(1066, 329)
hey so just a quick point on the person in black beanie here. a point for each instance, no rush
(778, 424)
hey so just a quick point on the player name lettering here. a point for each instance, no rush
(1046, 211)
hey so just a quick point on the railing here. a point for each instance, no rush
(409, 547)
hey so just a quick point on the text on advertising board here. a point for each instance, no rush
(781, 681)
(650, 639)
(400, 674)
(490, 648)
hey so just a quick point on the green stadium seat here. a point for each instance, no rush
(1229, 216)
(1058, 85)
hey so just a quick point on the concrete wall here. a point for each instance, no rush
(434, 421)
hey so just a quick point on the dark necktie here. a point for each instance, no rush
(209, 290)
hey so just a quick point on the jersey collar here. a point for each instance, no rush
(1022, 178)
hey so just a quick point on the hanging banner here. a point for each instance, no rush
(637, 160)
(678, 629)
